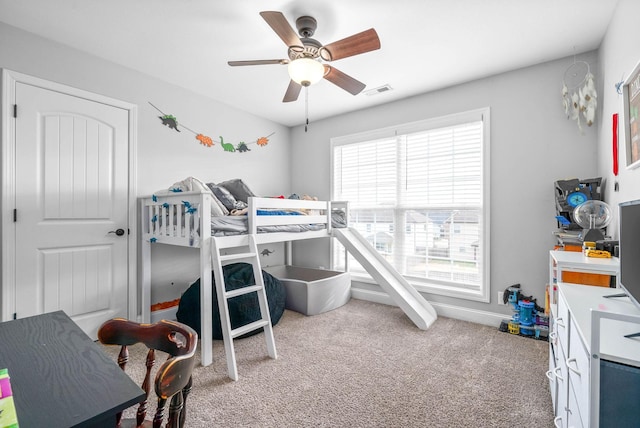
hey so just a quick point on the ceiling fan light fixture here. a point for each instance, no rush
(306, 71)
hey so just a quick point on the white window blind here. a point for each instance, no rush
(418, 194)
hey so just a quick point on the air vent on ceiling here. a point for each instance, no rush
(379, 90)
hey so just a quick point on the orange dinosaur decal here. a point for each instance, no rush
(204, 140)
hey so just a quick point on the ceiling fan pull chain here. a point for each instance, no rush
(306, 107)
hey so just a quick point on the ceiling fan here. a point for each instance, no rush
(306, 55)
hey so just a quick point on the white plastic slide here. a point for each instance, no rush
(403, 294)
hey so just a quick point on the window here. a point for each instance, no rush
(419, 194)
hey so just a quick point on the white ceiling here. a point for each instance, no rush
(425, 44)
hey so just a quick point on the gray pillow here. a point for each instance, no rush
(223, 196)
(218, 207)
(238, 189)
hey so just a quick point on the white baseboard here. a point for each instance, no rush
(450, 311)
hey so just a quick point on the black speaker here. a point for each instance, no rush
(607, 245)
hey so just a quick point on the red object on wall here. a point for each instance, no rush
(615, 144)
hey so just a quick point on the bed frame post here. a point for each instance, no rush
(288, 253)
(206, 309)
(251, 219)
(145, 268)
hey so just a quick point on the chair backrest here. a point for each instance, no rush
(173, 378)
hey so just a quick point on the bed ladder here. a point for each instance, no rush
(228, 334)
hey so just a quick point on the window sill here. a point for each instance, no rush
(441, 290)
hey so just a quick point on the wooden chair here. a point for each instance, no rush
(173, 378)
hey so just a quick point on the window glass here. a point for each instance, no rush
(418, 196)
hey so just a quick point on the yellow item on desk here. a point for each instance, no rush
(598, 253)
(588, 245)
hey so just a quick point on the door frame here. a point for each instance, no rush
(8, 185)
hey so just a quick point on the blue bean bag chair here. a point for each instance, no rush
(243, 309)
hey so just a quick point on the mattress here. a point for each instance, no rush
(239, 225)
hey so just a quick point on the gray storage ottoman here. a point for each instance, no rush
(313, 291)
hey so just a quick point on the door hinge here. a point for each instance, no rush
(15, 110)
(15, 215)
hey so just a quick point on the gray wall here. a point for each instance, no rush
(532, 145)
(164, 156)
(618, 56)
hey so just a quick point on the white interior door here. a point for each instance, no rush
(71, 196)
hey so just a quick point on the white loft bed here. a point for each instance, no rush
(184, 219)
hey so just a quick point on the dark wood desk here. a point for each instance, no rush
(60, 377)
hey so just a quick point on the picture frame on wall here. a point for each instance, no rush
(631, 112)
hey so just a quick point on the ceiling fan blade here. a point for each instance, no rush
(365, 41)
(281, 26)
(292, 92)
(258, 62)
(346, 82)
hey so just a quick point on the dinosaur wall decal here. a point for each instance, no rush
(242, 147)
(204, 140)
(171, 122)
(228, 147)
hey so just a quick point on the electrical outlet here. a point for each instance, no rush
(501, 297)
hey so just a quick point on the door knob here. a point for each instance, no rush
(118, 232)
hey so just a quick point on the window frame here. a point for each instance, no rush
(481, 293)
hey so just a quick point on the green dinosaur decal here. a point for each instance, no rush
(227, 147)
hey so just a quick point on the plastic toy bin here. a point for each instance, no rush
(313, 291)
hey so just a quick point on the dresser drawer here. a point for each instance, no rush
(561, 325)
(578, 369)
(574, 417)
(553, 329)
(562, 385)
(551, 375)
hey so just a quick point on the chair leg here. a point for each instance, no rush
(175, 410)
(123, 359)
(159, 416)
(146, 386)
(185, 393)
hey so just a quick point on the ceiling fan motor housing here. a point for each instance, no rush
(306, 26)
(310, 48)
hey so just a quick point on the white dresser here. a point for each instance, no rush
(576, 261)
(594, 370)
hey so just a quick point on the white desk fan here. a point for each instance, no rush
(593, 216)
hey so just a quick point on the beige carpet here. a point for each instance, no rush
(367, 365)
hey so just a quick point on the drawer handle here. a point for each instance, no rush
(575, 370)
(555, 373)
(556, 421)
(550, 375)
